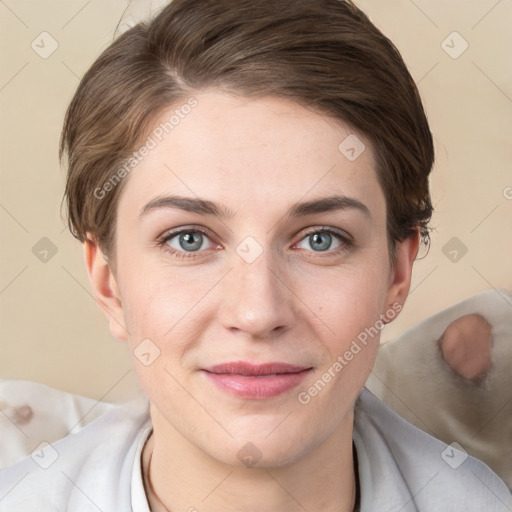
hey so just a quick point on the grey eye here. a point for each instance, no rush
(188, 241)
(320, 241)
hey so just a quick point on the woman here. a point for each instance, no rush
(250, 182)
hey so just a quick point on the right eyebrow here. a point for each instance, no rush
(189, 204)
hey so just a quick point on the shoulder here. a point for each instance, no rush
(403, 468)
(89, 470)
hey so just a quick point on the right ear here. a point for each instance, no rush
(104, 287)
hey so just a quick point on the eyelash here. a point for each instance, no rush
(345, 240)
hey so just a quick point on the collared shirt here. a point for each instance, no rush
(400, 468)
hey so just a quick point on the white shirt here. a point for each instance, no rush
(401, 468)
(138, 494)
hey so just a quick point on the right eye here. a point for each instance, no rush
(184, 243)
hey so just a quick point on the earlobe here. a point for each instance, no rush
(104, 287)
(400, 276)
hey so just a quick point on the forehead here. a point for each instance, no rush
(241, 151)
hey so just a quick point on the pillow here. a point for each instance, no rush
(32, 413)
(415, 378)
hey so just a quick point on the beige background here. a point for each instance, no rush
(51, 329)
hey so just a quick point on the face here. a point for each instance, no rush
(248, 234)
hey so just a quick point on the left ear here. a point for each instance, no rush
(400, 278)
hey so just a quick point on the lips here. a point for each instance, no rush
(255, 370)
(256, 381)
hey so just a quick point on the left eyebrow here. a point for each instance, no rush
(300, 209)
(328, 204)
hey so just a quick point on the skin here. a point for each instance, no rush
(292, 304)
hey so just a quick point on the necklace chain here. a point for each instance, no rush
(149, 484)
(151, 491)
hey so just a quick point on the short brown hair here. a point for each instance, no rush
(324, 54)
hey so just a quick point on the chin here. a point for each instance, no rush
(254, 451)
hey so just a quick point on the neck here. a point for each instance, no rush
(182, 477)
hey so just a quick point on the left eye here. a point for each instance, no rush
(320, 241)
(188, 241)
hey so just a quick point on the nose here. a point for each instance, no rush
(257, 299)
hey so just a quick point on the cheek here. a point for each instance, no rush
(349, 308)
(347, 299)
(165, 312)
(157, 300)
(162, 319)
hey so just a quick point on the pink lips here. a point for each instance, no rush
(256, 381)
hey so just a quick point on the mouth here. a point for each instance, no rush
(256, 381)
